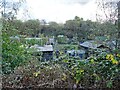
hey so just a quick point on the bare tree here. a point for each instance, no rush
(9, 8)
(107, 10)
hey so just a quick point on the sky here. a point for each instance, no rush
(59, 10)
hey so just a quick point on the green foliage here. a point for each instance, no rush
(13, 51)
(62, 39)
(92, 72)
(31, 28)
(41, 41)
(78, 29)
(67, 47)
(97, 72)
(38, 75)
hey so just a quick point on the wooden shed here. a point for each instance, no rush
(47, 51)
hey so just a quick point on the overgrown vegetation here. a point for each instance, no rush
(21, 69)
(100, 72)
(13, 51)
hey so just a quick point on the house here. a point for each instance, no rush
(47, 51)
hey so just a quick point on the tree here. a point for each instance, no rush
(83, 29)
(107, 10)
(110, 10)
(72, 27)
(13, 51)
(32, 28)
(10, 8)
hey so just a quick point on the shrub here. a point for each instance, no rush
(13, 51)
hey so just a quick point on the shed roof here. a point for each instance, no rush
(33, 38)
(44, 48)
(91, 44)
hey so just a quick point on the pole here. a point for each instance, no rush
(118, 5)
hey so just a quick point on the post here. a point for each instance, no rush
(118, 5)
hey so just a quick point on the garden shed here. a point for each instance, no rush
(90, 44)
(93, 47)
(47, 51)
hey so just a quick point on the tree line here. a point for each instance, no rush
(77, 27)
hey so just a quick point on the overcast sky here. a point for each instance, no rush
(59, 10)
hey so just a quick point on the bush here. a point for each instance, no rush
(38, 75)
(13, 51)
(100, 72)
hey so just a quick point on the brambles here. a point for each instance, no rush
(66, 73)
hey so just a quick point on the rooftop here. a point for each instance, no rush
(40, 48)
(90, 44)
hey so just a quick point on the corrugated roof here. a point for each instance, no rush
(33, 38)
(90, 44)
(44, 48)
